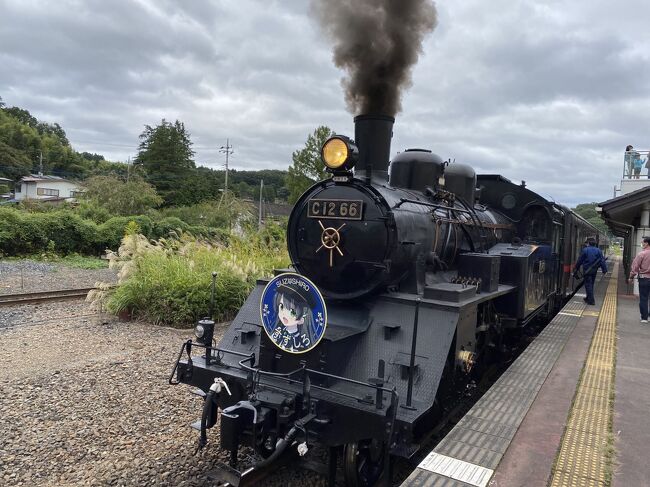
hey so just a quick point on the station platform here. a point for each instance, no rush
(572, 410)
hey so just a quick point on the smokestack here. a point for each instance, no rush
(372, 134)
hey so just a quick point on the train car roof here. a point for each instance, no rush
(534, 198)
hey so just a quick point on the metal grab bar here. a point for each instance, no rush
(306, 372)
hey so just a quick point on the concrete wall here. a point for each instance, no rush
(629, 185)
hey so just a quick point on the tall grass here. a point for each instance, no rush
(168, 281)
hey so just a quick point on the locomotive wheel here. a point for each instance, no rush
(363, 463)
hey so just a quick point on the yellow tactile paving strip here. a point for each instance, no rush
(584, 458)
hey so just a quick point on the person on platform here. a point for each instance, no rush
(590, 259)
(630, 156)
(641, 268)
(638, 165)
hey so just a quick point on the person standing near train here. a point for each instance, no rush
(641, 268)
(590, 259)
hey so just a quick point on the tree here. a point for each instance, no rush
(23, 116)
(15, 163)
(165, 153)
(120, 198)
(589, 213)
(307, 167)
(24, 139)
(54, 129)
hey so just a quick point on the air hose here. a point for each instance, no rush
(279, 449)
(208, 409)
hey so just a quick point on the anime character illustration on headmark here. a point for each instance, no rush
(293, 313)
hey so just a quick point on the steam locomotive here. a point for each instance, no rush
(425, 270)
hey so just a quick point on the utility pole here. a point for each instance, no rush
(259, 223)
(40, 165)
(226, 149)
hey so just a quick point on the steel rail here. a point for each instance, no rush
(37, 297)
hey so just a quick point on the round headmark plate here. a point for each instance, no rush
(293, 313)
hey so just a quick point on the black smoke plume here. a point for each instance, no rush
(377, 42)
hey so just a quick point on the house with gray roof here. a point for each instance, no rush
(46, 188)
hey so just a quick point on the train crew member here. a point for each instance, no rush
(641, 268)
(590, 258)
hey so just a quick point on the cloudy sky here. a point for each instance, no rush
(548, 91)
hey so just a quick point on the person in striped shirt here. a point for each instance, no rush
(641, 268)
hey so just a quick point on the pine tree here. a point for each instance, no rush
(165, 153)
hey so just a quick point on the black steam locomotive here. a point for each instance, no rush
(424, 272)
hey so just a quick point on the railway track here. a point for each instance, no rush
(38, 297)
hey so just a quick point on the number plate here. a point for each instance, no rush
(340, 209)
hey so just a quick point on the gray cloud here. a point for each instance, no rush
(547, 92)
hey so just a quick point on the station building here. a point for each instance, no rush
(628, 213)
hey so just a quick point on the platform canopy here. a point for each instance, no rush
(625, 211)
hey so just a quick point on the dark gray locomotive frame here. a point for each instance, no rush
(441, 265)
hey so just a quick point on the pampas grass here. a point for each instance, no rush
(168, 281)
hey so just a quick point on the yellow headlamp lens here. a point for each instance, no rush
(335, 153)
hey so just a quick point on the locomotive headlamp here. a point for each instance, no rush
(339, 153)
(199, 331)
(204, 330)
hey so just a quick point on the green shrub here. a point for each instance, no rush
(63, 232)
(112, 231)
(69, 232)
(39, 206)
(168, 227)
(90, 211)
(223, 213)
(82, 262)
(220, 235)
(30, 233)
(11, 227)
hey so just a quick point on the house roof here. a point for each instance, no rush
(38, 177)
(5, 179)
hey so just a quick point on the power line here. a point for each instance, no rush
(130, 146)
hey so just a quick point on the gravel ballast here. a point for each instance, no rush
(25, 276)
(85, 401)
(85, 398)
